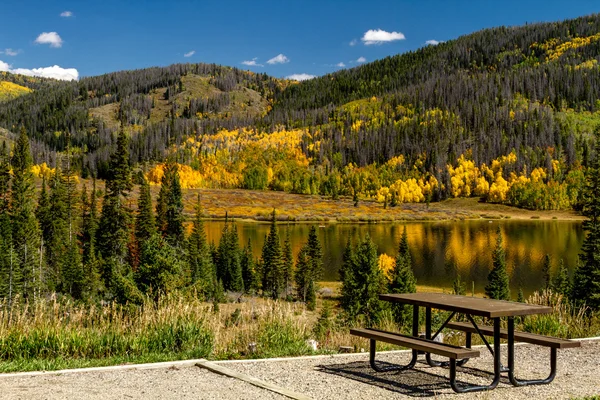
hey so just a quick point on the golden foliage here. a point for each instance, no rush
(386, 265)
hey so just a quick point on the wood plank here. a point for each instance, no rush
(219, 369)
(489, 308)
(429, 346)
(526, 337)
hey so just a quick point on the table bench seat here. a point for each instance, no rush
(419, 344)
(540, 340)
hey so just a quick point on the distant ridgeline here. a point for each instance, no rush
(505, 113)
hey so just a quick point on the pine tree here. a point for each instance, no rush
(161, 206)
(521, 296)
(302, 274)
(546, 273)
(403, 279)
(145, 225)
(307, 276)
(586, 282)
(87, 239)
(113, 234)
(498, 282)
(288, 262)
(235, 268)
(272, 263)
(561, 283)
(201, 266)
(6, 243)
(161, 267)
(174, 212)
(229, 270)
(27, 273)
(249, 274)
(42, 212)
(369, 280)
(58, 232)
(315, 254)
(348, 279)
(458, 286)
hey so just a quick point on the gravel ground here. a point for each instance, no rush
(168, 383)
(333, 377)
(350, 377)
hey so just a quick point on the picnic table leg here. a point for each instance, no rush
(413, 361)
(433, 363)
(511, 361)
(497, 367)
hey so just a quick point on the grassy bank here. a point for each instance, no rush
(258, 205)
(53, 334)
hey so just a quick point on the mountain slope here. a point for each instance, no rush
(525, 98)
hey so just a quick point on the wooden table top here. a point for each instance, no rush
(489, 308)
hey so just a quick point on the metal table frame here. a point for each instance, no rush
(498, 367)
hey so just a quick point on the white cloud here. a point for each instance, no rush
(340, 64)
(190, 53)
(252, 63)
(56, 72)
(278, 59)
(51, 38)
(66, 14)
(432, 42)
(300, 77)
(361, 60)
(10, 52)
(353, 42)
(378, 36)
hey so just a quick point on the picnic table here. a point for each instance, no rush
(458, 355)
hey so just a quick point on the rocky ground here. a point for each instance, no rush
(325, 377)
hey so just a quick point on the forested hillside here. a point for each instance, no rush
(505, 113)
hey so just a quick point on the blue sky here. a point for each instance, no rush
(310, 37)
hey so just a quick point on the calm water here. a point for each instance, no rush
(440, 248)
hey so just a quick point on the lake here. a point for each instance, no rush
(439, 249)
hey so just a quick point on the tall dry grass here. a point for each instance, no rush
(57, 333)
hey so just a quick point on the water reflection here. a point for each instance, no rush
(440, 248)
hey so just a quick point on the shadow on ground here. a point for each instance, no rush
(425, 381)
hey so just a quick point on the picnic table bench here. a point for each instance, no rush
(469, 306)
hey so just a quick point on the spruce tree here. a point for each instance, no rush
(272, 263)
(235, 268)
(288, 262)
(145, 225)
(546, 272)
(498, 282)
(113, 234)
(248, 265)
(42, 212)
(586, 282)
(315, 254)
(458, 286)
(174, 212)
(348, 279)
(403, 279)
(229, 270)
(302, 274)
(57, 241)
(87, 239)
(521, 296)
(561, 283)
(161, 206)
(6, 244)
(370, 282)
(161, 267)
(27, 273)
(201, 266)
